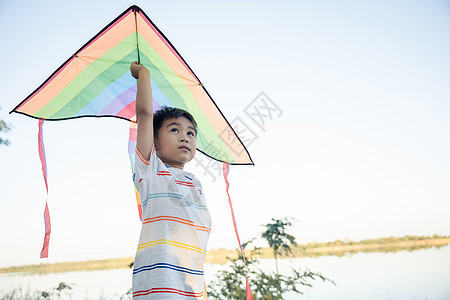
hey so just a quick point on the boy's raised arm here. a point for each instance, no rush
(144, 109)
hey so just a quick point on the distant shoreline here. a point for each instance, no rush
(343, 248)
(219, 256)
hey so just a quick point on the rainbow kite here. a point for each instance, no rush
(96, 82)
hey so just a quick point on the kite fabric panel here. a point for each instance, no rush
(96, 82)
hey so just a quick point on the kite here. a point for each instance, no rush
(96, 82)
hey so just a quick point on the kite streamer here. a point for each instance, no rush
(48, 226)
(131, 154)
(226, 169)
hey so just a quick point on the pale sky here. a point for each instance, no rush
(359, 148)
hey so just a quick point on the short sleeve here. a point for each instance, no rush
(144, 169)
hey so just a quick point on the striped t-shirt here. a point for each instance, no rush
(175, 230)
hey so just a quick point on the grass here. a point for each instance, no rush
(62, 291)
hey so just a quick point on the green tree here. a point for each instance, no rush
(278, 238)
(229, 284)
(4, 128)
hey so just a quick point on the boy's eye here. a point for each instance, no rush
(174, 130)
(191, 133)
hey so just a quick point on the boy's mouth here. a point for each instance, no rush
(186, 148)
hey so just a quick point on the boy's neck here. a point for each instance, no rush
(175, 165)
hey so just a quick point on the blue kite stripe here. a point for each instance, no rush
(195, 205)
(167, 266)
(162, 195)
(158, 95)
(110, 92)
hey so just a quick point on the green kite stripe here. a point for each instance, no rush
(167, 89)
(181, 97)
(95, 87)
(163, 83)
(93, 70)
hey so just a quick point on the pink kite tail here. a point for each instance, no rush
(48, 225)
(226, 169)
(131, 153)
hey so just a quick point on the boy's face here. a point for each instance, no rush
(176, 142)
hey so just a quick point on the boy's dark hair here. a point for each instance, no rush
(166, 113)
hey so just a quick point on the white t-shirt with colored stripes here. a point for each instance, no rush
(175, 230)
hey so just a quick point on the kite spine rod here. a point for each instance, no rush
(137, 35)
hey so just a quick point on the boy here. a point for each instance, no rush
(175, 220)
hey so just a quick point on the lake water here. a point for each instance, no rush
(421, 274)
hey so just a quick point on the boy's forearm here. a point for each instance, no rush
(144, 100)
(144, 110)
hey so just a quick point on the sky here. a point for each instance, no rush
(354, 145)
